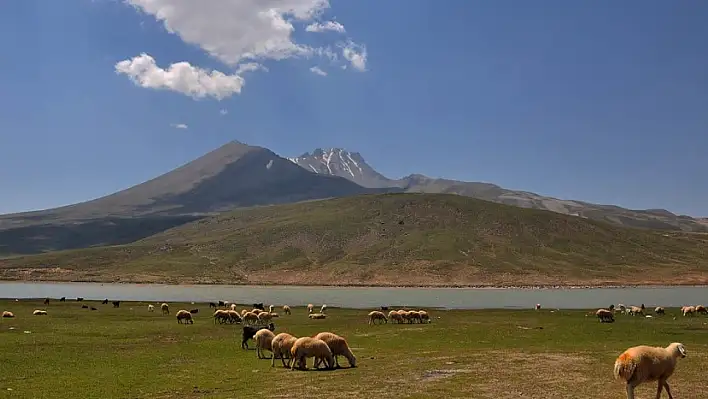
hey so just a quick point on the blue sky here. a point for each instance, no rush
(601, 101)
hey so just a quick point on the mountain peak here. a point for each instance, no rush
(337, 161)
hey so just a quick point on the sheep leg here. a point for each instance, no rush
(668, 390)
(630, 391)
(659, 388)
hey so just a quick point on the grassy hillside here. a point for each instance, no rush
(390, 239)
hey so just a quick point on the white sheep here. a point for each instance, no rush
(310, 347)
(659, 310)
(310, 307)
(424, 316)
(7, 314)
(151, 308)
(39, 312)
(280, 347)
(339, 347)
(233, 306)
(264, 339)
(286, 309)
(183, 316)
(643, 363)
(271, 308)
(323, 308)
(265, 317)
(222, 316)
(165, 308)
(688, 310)
(377, 315)
(317, 316)
(250, 318)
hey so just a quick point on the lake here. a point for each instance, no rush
(366, 297)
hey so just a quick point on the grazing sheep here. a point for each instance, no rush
(339, 347)
(376, 315)
(310, 347)
(7, 314)
(286, 309)
(323, 308)
(414, 316)
(46, 301)
(634, 310)
(395, 316)
(62, 299)
(280, 347)
(165, 308)
(221, 316)
(310, 307)
(263, 338)
(643, 363)
(605, 316)
(250, 318)
(184, 316)
(233, 306)
(701, 309)
(660, 310)
(250, 331)
(688, 310)
(257, 311)
(317, 316)
(424, 316)
(151, 308)
(39, 312)
(264, 317)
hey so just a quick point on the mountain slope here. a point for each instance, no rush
(234, 175)
(391, 239)
(352, 166)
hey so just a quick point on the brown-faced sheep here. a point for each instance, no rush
(377, 315)
(221, 316)
(184, 317)
(310, 347)
(280, 347)
(643, 363)
(286, 309)
(339, 347)
(7, 314)
(263, 339)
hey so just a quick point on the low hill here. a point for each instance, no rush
(389, 239)
(234, 175)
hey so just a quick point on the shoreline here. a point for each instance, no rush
(561, 286)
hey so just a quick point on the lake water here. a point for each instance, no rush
(366, 297)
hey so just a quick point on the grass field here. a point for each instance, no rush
(131, 353)
(393, 239)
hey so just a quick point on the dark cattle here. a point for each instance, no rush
(384, 307)
(46, 301)
(250, 331)
(258, 306)
(193, 311)
(116, 304)
(84, 306)
(212, 305)
(105, 302)
(62, 299)
(79, 299)
(221, 303)
(92, 308)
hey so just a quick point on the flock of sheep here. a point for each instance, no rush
(607, 315)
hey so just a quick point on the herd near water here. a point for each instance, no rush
(636, 365)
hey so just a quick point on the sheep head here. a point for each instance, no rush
(677, 349)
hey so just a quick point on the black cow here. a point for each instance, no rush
(116, 304)
(250, 331)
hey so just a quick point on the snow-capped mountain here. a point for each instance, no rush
(342, 163)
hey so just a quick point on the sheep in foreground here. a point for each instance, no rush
(660, 310)
(183, 316)
(643, 363)
(286, 310)
(339, 347)
(165, 308)
(250, 331)
(39, 312)
(310, 307)
(605, 316)
(250, 318)
(310, 347)
(280, 347)
(377, 315)
(264, 338)
(151, 308)
(7, 314)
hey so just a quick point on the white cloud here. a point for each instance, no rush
(356, 55)
(242, 34)
(329, 25)
(224, 111)
(179, 126)
(317, 71)
(180, 77)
